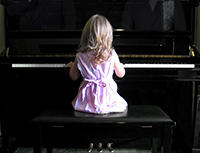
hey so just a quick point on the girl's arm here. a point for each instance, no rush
(119, 68)
(74, 72)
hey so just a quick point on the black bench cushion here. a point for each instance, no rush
(135, 114)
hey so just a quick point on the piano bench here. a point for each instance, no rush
(138, 121)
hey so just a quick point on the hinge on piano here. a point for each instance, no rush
(7, 52)
(191, 51)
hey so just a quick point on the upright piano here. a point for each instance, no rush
(162, 68)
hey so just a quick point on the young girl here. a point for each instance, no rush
(96, 61)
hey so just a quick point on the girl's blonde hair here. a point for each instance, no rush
(97, 36)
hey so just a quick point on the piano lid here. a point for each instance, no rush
(156, 15)
(142, 27)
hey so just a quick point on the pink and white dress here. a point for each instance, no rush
(98, 91)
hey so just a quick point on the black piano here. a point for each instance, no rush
(162, 68)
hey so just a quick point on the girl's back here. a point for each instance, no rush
(98, 91)
(90, 70)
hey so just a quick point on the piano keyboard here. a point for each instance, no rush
(137, 65)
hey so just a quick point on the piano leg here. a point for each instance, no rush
(4, 117)
(167, 140)
(5, 139)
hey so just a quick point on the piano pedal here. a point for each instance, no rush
(90, 147)
(99, 148)
(110, 147)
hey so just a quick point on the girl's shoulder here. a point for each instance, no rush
(84, 55)
(114, 54)
(113, 51)
(78, 54)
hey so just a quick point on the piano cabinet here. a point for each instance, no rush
(28, 91)
(31, 90)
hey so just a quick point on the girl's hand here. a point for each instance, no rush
(70, 64)
(122, 64)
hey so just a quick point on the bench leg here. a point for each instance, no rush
(37, 140)
(49, 145)
(49, 140)
(155, 145)
(167, 140)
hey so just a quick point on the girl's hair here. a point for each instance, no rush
(97, 36)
